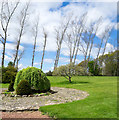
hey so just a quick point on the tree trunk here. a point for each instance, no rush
(70, 79)
(17, 64)
(34, 52)
(44, 50)
(3, 55)
(17, 50)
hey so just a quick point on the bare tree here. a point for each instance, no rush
(22, 21)
(79, 28)
(44, 46)
(35, 34)
(73, 36)
(93, 32)
(88, 38)
(69, 68)
(5, 18)
(60, 33)
(105, 37)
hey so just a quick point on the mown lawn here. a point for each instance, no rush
(4, 85)
(101, 103)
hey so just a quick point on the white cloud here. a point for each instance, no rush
(109, 48)
(7, 58)
(11, 46)
(48, 60)
(51, 20)
(36, 63)
(66, 60)
(21, 66)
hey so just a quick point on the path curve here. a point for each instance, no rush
(62, 95)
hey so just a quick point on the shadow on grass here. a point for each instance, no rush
(73, 82)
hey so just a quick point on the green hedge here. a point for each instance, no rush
(36, 78)
(8, 74)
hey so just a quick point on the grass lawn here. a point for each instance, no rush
(4, 85)
(101, 103)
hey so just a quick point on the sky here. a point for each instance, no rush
(50, 16)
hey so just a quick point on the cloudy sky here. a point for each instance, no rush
(50, 15)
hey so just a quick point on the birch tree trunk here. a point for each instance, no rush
(60, 33)
(22, 21)
(35, 34)
(44, 47)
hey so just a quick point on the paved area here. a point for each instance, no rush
(22, 115)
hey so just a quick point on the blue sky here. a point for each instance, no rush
(50, 17)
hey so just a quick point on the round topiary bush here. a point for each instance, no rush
(36, 78)
(23, 88)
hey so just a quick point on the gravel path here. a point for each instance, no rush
(62, 95)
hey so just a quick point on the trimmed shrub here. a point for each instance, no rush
(36, 78)
(49, 73)
(11, 86)
(23, 88)
(8, 74)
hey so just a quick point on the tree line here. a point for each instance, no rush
(106, 65)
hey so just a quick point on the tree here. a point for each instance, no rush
(10, 63)
(64, 69)
(108, 63)
(93, 71)
(49, 73)
(60, 34)
(44, 46)
(105, 36)
(5, 18)
(73, 40)
(35, 34)
(88, 38)
(22, 22)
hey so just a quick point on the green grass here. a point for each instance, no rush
(101, 103)
(4, 85)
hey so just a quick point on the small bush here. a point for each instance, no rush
(11, 86)
(49, 73)
(23, 88)
(36, 78)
